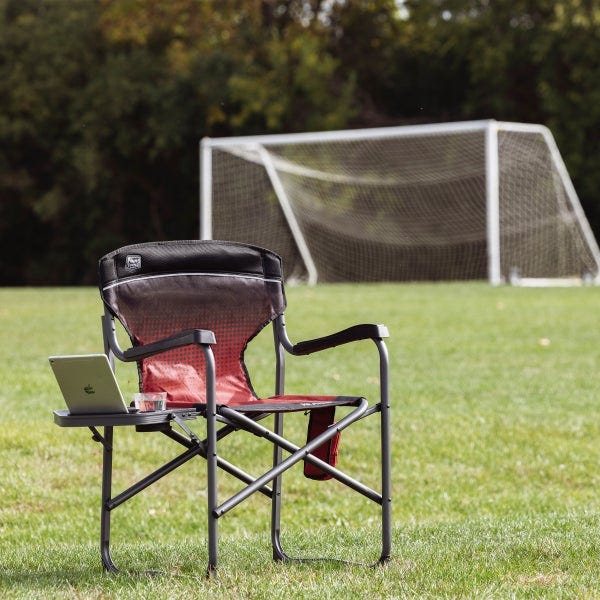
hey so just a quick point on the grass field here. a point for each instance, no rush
(496, 456)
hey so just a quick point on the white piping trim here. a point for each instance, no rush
(134, 278)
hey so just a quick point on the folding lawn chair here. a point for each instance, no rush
(190, 309)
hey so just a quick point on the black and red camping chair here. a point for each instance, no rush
(190, 309)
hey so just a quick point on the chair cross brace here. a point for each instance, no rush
(297, 454)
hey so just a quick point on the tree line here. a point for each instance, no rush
(103, 102)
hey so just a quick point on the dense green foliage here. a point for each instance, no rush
(495, 454)
(103, 102)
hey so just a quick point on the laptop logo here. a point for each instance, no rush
(133, 262)
(88, 389)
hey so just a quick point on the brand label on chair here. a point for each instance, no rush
(133, 262)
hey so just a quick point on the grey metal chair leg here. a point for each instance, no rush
(211, 459)
(278, 553)
(107, 444)
(386, 463)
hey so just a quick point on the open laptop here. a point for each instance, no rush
(88, 384)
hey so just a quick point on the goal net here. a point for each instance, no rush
(455, 201)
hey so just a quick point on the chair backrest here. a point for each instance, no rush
(158, 289)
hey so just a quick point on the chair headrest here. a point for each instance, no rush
(191, 256)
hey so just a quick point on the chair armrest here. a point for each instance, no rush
(184, 338)
(368, 331)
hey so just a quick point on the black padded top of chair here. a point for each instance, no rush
(194, 256)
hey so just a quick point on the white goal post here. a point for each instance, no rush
(452, 201)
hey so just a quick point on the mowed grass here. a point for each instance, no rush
(496, 456)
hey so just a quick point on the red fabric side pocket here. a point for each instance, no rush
(320, 419)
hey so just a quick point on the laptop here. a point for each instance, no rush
(88, 384)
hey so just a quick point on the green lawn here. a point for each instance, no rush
(496, 456)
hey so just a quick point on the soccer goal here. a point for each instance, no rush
(454, 201)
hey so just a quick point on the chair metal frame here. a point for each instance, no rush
(222, 420)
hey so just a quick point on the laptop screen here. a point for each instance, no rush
(88, 384)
